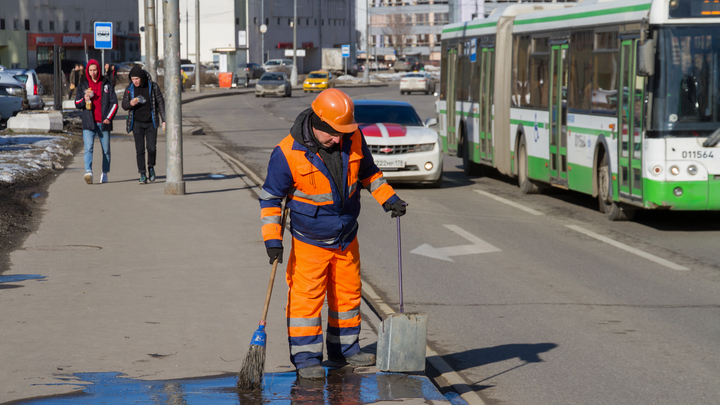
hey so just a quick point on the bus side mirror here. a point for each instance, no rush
(646, 58)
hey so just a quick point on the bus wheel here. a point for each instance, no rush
(469, 167)
(526, 185)
(613, 211)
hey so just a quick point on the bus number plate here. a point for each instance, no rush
(697, 154)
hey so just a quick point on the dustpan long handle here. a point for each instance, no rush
(400, 282)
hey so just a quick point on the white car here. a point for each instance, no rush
(404, 148)
(417, 81)
(27, 78)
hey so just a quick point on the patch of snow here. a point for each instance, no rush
(29, 154)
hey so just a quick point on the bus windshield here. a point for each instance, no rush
(686, 83)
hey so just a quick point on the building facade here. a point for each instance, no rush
(413, 27)
(29, 30)
(230, 30)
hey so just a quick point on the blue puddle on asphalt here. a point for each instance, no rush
(341, 387)
(20, 277)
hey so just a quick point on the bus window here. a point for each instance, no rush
(605, 68)
(580, 86)
(443, 71)
(686, 84)
(520, 80)
(540, 73)
(539, 80)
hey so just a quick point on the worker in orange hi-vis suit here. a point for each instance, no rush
(318, 168)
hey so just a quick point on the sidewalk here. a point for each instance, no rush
(121, 278)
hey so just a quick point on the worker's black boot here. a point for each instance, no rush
(315, 372)
(360, 359)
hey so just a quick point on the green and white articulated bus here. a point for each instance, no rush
(617, 99)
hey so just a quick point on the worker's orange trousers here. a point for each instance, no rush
(311, 273)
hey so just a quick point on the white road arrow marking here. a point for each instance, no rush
(478, 246)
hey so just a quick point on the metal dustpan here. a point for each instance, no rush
(402, 337)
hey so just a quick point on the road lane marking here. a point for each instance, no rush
(632, 250)
(508, 202)
(446, 372)
(444, 253)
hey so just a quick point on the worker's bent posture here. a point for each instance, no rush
(320, 167)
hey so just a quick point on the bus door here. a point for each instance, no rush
(486, 95)
(558, 114)
(630, 123)
(451, 99)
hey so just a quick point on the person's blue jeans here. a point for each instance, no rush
(89, 139)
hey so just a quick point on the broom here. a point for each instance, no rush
(251, 373)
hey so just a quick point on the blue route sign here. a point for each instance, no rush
(103, 35)
(473, 50)
(346, 51)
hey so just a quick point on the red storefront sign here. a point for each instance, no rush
(66, 40)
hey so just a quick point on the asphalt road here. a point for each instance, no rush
(564, 307)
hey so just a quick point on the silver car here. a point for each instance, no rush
(279, 65)
(11, 100)
(27, 78)
(274, 84)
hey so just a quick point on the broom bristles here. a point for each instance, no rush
(251, 373)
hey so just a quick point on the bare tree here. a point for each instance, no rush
(398, 28)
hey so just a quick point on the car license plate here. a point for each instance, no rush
(389, 164)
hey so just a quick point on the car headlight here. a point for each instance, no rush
(11, 90)
(693, 170)
(307, 82)
(323, 82)
(425, 147)
(282, 86)
(674, 170)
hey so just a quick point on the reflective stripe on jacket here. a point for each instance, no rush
(318, 216)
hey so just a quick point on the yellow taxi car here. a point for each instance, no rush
(318, 80)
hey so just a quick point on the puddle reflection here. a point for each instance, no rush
(341, 387)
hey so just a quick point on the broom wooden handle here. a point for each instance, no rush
(286, 210)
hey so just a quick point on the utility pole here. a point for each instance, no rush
(197, 46)
(262, 31)
(293, 75)
(366, 71)
(174, 183)
(187, 31)
(151, 39)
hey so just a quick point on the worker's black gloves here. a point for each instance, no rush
(275, 253)
(397, 208)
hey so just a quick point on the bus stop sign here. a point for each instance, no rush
(103, 35)
(346, 51)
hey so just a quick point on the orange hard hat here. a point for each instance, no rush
(336, 108)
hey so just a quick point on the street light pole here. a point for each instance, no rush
(294, 74)
(174, 183)
(366, 71)
(262, 32)
(197, 46)
(151, 39)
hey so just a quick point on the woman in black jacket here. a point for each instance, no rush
(146, 111)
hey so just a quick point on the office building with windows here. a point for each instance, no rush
(29, 29)
(230, 30)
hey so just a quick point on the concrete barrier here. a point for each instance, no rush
(36, 121)
(68, 104)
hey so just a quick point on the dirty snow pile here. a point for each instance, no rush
(30, 155)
